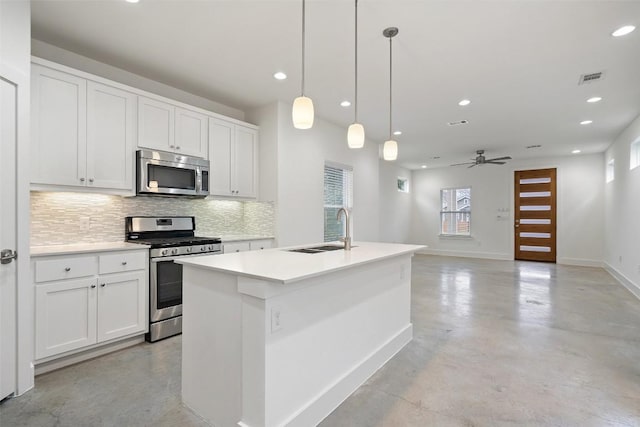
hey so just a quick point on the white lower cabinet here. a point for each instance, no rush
(257, 245)
(247, 245)
(74, 314)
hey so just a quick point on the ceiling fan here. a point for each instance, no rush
(481, 160)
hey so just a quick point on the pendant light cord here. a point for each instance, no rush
(390, 84)
(356, 65)
(303, 44)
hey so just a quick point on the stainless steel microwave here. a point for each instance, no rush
(168, 174)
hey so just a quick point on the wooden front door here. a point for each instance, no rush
(535, 215)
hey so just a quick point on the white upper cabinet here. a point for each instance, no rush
(163, 126)
(233, 151)
(155, 124)
(191, 133)
(58, 117)
(83, 133)
(111, 116)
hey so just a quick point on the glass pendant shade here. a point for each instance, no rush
(302, 113)
(355, 136)
(390, 150)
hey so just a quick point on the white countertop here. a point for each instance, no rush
(83, 248)
(242, 237)
(281, 266)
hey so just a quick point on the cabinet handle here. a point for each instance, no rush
(81, 179)
(67, 269)
(124, 262)
(177, 147)
(90, 179)
(93, 286)
(102, 285)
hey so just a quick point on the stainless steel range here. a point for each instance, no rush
(170, 238)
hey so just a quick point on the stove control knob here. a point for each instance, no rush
(188, 250)
(203, 248)
(174, 252)
(165, 251)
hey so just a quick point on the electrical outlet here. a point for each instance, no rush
(276, 319)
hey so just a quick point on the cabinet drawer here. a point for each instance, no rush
(236, 247)
(118, 262)
(65, 268)
(261, 244)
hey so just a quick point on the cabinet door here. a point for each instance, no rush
(221, 136)
(244, 162)
(257, 245)
(111, 115)
(191, 133)
(122, 304)
(228, 248)
(155, 124)
(65, 316)
(58, 118)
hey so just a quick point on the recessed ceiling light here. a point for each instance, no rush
(594, 99)
(279, 75)
(398, 132)
(575, 151)
(464, 102)
(132, 1)
(586, 122)
(423, 166)
(623, 31)
(345, 103)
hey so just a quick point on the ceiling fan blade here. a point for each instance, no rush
(495, 163)
(499, 158)
(460, 164)
(472, 166)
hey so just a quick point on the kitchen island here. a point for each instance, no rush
(277, 337)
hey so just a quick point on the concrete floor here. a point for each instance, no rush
(496, 343)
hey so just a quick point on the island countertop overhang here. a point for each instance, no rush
(281, 266)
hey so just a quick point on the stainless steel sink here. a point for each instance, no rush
(317, 249)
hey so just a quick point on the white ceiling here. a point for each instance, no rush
(517, 61)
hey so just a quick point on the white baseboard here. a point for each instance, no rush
(54, 363)
(624, 280)
(580, 262)
(330, 398)
(467, 254)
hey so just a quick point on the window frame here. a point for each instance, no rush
(348, 175)
(442, 213)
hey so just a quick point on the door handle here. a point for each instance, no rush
(7, 255)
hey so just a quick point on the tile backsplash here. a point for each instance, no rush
(65, 218)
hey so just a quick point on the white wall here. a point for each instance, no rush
(580, 204)
(79, 62)
(395, 206)
(15, 53)
(622, 212)
(299, 160)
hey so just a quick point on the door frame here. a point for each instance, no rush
(25, 292)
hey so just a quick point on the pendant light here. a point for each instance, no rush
(390, 149)
(302, 112)
(355, 134)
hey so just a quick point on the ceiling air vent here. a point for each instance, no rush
(461, 122)
(590, 78)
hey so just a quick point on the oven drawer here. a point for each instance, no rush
(61, 268)
(123, 261)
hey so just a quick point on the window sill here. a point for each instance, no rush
(454, 237)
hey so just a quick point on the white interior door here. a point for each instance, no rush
(8, 238)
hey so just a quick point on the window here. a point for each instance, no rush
(610, 170)
(635, 154)
(403, 185)
(338, 193)
(455, 211)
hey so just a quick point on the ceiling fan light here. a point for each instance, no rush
(390, 150)
(355, 136)
(302, 113)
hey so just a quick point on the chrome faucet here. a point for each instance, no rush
(347, 238)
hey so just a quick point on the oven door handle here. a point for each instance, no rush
(173, 258)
